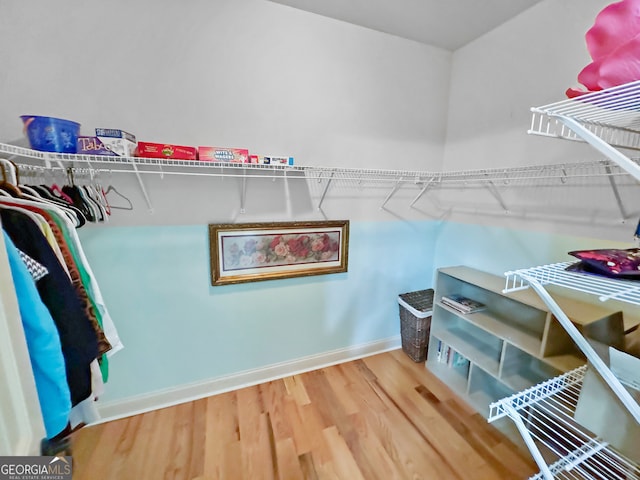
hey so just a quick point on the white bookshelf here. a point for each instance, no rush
(515, 342)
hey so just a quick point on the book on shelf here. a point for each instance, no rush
(459, 360)
(450, 357)
(443, 352)
(462, 304)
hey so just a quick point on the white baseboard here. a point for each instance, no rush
(194, 391)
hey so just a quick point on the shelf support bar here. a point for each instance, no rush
(496, 194)
(603, 147)
(607, 375)
(287, 194)
(392, 192)
(424, 189)
(142, 187)
(528, 440)
(616, 193)
(243, 193)
(324, 192)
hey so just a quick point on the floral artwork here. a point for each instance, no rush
(255, 251)
(251, 252)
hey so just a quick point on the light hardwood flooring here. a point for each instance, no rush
(381, 417)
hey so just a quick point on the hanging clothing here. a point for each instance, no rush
(77, 336)
(41, 223)
(67, 225)
(72, 268)
(43, 340)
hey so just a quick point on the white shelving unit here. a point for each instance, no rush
(608, 120)
(514, 343)
(556, 274)
(323, 178)
(548, 416)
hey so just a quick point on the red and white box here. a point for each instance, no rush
(166, 150)
(223, 154)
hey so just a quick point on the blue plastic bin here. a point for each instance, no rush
(50, 134)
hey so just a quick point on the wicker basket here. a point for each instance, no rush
(415, 322)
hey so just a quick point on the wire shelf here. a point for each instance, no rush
(557, 274)
(609, 120)
(612, 114)
(358, 177)
(547, 412)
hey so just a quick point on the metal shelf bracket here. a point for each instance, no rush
(392, 192)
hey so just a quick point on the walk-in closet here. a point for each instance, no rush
(364, 152)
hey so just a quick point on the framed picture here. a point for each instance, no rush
(249, 252)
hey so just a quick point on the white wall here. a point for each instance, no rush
(244, 73)
(529, 61)
(236, 73)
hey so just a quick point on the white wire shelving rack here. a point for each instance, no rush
(588, 456)
(325, 177)
(545, 416)
(609, 120)
(605, 288)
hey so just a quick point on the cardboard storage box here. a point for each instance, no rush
(119, 142)
(223, 154)
(92, 146)
(271, 160)
(166, 150)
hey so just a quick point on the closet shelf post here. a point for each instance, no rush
(422, 192)
(392, 192)
(603, 147)
(243, 192)
(496, 194)
(616, 194)
(324, 192)
(142, 187)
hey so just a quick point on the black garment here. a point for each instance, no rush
(78, 201)
(78, 340)
(48, 194)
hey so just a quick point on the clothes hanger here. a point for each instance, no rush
(98, 211)
(42, 195)
(28, 189)
(99, 196)
(10, 171)
(70, 215)
(74, 215)
(5, 185)
(111, 188)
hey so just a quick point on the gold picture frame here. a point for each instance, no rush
(250, 252)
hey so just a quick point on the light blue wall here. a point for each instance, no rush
(177, 329)
(497, 250)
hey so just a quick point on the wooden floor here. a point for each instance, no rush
(381, 417)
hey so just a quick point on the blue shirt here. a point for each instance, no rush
(43, 343)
